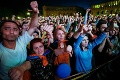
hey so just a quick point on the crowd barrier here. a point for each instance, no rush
(107, 71)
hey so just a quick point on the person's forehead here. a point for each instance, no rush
(35, 34)
(104, 25)
(60, 31)
(85, 37)
(37, 43)
(9, 24)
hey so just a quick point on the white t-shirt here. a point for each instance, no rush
(10, 58)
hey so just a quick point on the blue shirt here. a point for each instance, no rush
(84, 58)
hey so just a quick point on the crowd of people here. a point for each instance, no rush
(33, 48)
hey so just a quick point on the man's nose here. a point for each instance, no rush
(11, 31)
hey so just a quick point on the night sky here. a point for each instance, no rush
(25, 3)
(19, 5)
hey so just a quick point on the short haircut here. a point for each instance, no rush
(100, 22)
(4, 21)
(35, 40)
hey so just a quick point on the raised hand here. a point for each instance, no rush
(34, 6)
(85, 29)
(89, 29)
(25, 26)
(69, 50)
(48, 30)
(88, 10)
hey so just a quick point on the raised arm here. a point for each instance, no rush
(100, 48)
(86, 17)
(82, 30)
(34, 20)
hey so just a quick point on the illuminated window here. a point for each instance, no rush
(116, 3)
(97, 6)
(111, 3)
(106, 11)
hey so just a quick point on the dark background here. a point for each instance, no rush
(9, 7)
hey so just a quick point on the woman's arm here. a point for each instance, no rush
(86, 17)
(99, 39)
(78, 32)
(110, 43)
(100, 48)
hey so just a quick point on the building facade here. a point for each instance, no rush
(111, 8)
(57, 10)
